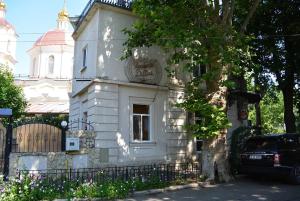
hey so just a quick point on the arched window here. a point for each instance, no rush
(51, 64)
(34, 67)
(8, 46)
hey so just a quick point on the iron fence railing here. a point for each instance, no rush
(162, 172)
(80, 124)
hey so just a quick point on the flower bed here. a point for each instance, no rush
(104, 183)
(31, 188)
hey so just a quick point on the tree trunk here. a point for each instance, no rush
(287, 88)
(289, 117)
(258, 118)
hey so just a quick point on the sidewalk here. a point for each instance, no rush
(241, 190)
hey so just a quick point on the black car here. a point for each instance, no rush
(274, 155)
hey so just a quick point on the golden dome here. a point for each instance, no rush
(63, 14)
(2, 5)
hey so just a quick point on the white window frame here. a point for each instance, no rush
(142, 101)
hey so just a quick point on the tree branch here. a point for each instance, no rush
(231, 11)
(225, 10)
(249, 16)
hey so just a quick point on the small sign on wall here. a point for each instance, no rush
(72, 144)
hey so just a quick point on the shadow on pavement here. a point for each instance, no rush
(242, 189)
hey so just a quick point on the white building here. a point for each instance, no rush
(8, 40)
(50, 72)
(129, 102)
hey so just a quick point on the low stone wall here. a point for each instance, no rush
(87, 157)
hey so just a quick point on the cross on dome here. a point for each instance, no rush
(2, 5)
(2, 9)
(63, 18)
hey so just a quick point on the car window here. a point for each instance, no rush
(260, 144)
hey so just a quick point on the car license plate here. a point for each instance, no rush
(255, 157)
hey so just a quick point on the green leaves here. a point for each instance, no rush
(11, 95)
(210, 119)
(193, 33)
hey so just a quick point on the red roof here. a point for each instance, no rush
(5, 23)
(54, 37)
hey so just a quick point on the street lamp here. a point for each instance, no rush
(64, 125)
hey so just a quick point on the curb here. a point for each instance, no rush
(170, 188)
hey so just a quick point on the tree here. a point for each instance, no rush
(271, 112)
(197, 33)
(11, 96)
(276, 27)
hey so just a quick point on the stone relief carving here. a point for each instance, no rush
(143, 70)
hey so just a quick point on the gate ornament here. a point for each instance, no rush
(143, 70)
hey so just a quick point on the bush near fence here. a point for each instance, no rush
(164, 172)
(105, 183)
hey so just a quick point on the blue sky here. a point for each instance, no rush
(32, 18)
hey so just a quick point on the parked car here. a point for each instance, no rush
(274, 155)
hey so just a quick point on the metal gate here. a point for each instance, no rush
(2, 147)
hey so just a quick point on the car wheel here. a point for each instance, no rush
(295, 175)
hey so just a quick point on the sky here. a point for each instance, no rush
(32, 18)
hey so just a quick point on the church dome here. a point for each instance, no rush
(2, 5)
(5, 23)
(55, 37)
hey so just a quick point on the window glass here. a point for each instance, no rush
(140, 109)
(146, 128)
(136, 127)
(199, 144)
(84, 57)
(34, 67)
(84, 120)
(259, 144)
(51, 64)
(141, 122)
(200, 70)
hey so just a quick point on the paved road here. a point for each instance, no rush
(243, 189)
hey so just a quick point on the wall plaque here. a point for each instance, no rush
(143, 70)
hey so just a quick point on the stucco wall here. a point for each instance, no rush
(88, 38)
(63, 61)
(8, 47)
(108, 96)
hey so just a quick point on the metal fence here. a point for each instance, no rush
(161, 172)
(80, 124)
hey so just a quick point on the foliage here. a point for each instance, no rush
(139, 184)
(32, 188)
(52, 119)
(194, 33)
(271, 113)
(11, 96)
(211, 119)
(276, 28)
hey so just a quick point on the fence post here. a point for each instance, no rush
(63, 138)
(8, 146)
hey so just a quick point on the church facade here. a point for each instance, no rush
(50, 71)
(8, 40)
